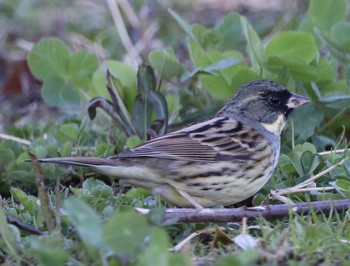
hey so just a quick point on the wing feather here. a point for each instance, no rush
(212, 140)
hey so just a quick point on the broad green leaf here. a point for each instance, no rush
(297, 153)
(309, 162)
(102, 191)
(126, 232)
(85, 220)
(325, 13)
(48, 250)
(301, 71)
(58, 92)
(90, 183)
(305, 121)
(81, 66)
(156, 252)
(49, 57)
(224, 66)
(133, 141)
(286, 164)
(207, 38)
(342, 186)
(6, 156)
(25, 177)
(241, 77)
(67, 132)
(166, 63)
(340, 33)
(230, 27)
(292, 47)
(29, 202)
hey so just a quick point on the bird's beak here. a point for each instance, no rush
(296, 100)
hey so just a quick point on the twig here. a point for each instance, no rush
(333, 152)
(268, 212)
(313, 178)
(298, 190)
(105, 106)
(303, 187)
(181, 245)
(48, 213)
(16, 139)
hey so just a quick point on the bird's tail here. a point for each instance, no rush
(78, 161)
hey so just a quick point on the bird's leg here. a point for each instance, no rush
(199, 207)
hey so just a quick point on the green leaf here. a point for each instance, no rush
(223, 65)
(49, 57)
(297, 154)
(133, 141)
(29, 202)
(66, 149)
(309, 162)
(306, 120)
(6, 156)
(85, 220)
(228, 260)
(325, 13)
(207, 38)
(48, 250)
(90, 183)
(342, 186)
(7, 236)
(59, 93)
(243, 76)
(67, 132)
(81, 66)
(166, 63)
(300, 71)
(292, 47)
(126, 232)
(156, 252)
(24, 177)
(254, 47)
(231, 29)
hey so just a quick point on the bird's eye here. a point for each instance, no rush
(274, 99)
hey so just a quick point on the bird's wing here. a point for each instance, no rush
(216, 139)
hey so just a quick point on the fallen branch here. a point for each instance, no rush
(237, 214)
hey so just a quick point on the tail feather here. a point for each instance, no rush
(78, 161)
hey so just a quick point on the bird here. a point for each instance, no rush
(217, 162)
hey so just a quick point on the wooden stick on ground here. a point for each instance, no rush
(236, 214)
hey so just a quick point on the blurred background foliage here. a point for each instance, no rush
(92, 78)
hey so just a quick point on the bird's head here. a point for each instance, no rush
(266, 102)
